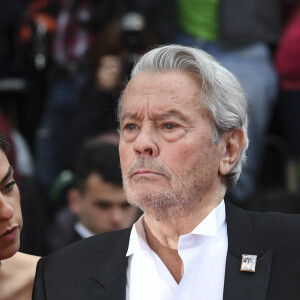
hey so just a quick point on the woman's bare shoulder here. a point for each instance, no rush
(23, 261)
(17, 276)
(27, 258)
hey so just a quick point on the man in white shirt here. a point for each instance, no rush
(183, 137)
(96, 200)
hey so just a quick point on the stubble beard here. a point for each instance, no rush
(179, 200)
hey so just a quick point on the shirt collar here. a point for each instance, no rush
(212, 225)
(137, 240)
(83, 231)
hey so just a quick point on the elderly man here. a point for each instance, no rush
(183, 136)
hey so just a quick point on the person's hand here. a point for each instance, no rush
(108, 73)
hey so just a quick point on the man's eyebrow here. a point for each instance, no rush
(101, 201)
(166, 115)
(173, 113)
(132, 116)
(8, 174)
(108, 203)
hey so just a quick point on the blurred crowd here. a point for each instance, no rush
(63, 65)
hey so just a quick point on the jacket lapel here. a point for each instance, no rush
(110, 282)
(241, 240)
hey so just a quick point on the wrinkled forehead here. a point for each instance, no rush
(163, 91)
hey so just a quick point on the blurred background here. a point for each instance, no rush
(63, 64)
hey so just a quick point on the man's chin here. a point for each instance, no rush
(155, 205)
(146, 187)
(144, 195)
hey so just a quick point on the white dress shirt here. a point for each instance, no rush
(83, 231)
(203, 252)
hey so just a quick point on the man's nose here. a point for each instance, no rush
(6, 209)
(146, 142)
(117, 215)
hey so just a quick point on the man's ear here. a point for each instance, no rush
(232, 145)
(73, 197)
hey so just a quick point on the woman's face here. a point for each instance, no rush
(10, 210)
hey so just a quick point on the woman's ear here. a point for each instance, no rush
(233, 142)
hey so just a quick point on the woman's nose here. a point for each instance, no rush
(6, 209)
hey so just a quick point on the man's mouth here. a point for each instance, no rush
(145, 172)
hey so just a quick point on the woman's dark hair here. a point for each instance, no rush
(4, 145)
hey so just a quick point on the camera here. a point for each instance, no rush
(132, 26)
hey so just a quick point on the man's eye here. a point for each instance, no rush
(169, 126)
(8, 187)
(130, 127)
(103, 205)
(125, 205)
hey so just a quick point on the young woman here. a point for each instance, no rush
(17, 270)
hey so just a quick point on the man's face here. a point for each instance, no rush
(103, 206)
(168, 161)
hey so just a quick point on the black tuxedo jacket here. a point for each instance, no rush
(62, 231)
(95, 268)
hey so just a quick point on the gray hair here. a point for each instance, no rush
(221, 93)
